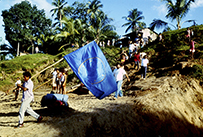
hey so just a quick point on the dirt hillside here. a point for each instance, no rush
(165, 106)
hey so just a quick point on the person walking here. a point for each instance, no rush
(131, 49)
(144, 64)
(192, 47)
(27, 98)
(188, 34)
(137, 60)
(118, 73)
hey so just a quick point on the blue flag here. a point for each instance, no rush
(92, 68)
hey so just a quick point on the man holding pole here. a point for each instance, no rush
(27, 98)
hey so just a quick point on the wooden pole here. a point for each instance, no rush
(43, 84)
(47, 68)
(38, 73)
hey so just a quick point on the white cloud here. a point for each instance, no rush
(161, 9)
(198, 3)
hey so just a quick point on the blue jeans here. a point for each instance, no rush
(25, 107)
(137, 64)
(130, 53)
(119, 92)
(143, 71)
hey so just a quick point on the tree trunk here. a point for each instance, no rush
(60, 18)
(18, 47)
(32, 47)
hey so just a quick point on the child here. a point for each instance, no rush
(63, 81)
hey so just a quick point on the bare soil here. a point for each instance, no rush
(165, 106)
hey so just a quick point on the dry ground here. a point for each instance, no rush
(166, 106)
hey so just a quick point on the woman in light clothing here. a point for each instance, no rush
(144, 64)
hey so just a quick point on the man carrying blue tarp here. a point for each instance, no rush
(92, 68)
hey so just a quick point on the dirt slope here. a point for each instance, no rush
(166, 106)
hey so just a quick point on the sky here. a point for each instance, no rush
(116, 9)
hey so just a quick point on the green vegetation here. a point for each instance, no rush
(11, 69)
(112, 55)
(83, 22)
(164, 59)
(27, 27)
(174, 49)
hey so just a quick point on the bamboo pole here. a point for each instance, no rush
(73, 88)
(37, 74)
(43, 84)
(47, 68)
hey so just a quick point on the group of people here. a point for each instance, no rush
(135, 55)
(59, 80)
(119, 71)
(189, 35)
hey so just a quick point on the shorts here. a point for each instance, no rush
(54, 82)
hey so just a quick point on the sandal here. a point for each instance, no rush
(39, 119)
(19, 126)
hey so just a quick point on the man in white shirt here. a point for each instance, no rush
(131, 48)
(118, 74)
(27, 98)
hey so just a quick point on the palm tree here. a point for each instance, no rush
(7, 50)
(32, 40)
(69, 31)
(101, 28)
(178, 9)
(59, 10)
(94, 8)
(133, 19)
(157, 23)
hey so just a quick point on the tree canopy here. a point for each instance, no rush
(27, 26)
(24, 23)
